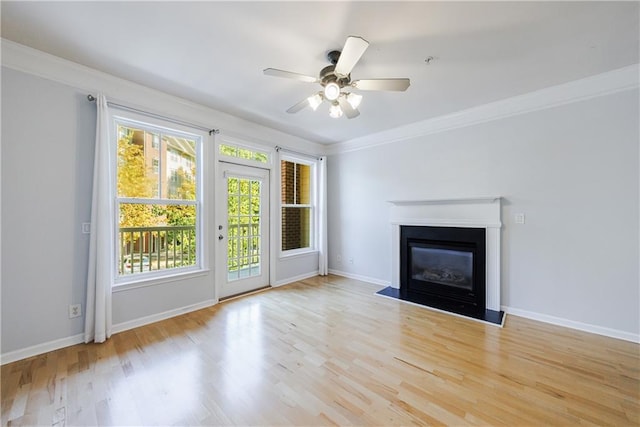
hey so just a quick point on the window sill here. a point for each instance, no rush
(143, 282)
(298, 253)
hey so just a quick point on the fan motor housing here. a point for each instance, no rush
(328, 75)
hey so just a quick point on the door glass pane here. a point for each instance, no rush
(243, 214)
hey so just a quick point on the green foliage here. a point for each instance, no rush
(134, 182)
(243, 213)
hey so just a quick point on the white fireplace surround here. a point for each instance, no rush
(473, 212)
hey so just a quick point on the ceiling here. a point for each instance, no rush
(213, 53)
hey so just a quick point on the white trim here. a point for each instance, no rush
(461, 200)
(46, 347)
(444, 222)
(142, 321)
(289, 280)
(572, 324)
(545, 318)
(38, 349)
(619, 80)
(32, 61)
(296, 253)
(367, 279)
(142, 281)
(35, 62)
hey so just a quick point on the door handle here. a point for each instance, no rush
(220, 237)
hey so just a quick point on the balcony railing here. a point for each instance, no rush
(145, 249)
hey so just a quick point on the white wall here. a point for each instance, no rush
(48, 132)
(572, 170)
(47, 162)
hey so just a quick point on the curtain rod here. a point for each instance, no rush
(278, 148)
(92, 98)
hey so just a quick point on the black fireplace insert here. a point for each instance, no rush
(444, 267)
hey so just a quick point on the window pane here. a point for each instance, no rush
(287, 176)
(155, 237)
(229, 150)
(303, 184)
(151, 165)
(260, 157)
(296, 228)
(180, 168)
(244, 153)
(136, 176)
(296, 183)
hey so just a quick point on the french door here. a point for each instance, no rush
(243, 233)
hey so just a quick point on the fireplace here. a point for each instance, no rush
(444, 267)
(450, 250)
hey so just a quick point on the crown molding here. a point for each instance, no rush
(38, 63)
(619, 80)
(35, 62)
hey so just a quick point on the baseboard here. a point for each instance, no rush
(36, 350)
(371, 280)
(586, 327)
(142, 321)
(79, 339)
(295, 279)
(572, 324)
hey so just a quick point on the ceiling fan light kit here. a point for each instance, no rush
(336, 77)
(314, 101)
(332, 91)
(335, 111)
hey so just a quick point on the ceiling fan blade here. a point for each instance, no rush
(382, 84)
(299, 106)
(289, 75)
(347, 109)
(353, 49)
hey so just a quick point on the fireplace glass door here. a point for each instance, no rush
(442, 266)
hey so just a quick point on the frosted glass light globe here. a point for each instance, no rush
(332, 91)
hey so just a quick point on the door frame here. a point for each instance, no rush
(219, 261)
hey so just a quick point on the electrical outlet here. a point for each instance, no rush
(350, 260)
(519, 218)
(75, 310)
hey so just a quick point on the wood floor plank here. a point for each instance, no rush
(327, 351)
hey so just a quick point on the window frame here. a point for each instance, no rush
(313, 206)
(130, 119)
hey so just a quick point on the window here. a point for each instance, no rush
(158, 200)
(297, 180)
(238, 151)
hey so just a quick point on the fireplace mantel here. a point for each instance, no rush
(477, 212)
(482, 199)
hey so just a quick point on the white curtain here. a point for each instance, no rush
(97, 326)
(323, 258)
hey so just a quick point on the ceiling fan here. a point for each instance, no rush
(336, 82)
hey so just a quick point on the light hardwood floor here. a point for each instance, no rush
(327, 351)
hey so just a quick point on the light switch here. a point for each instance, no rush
(519, 218)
